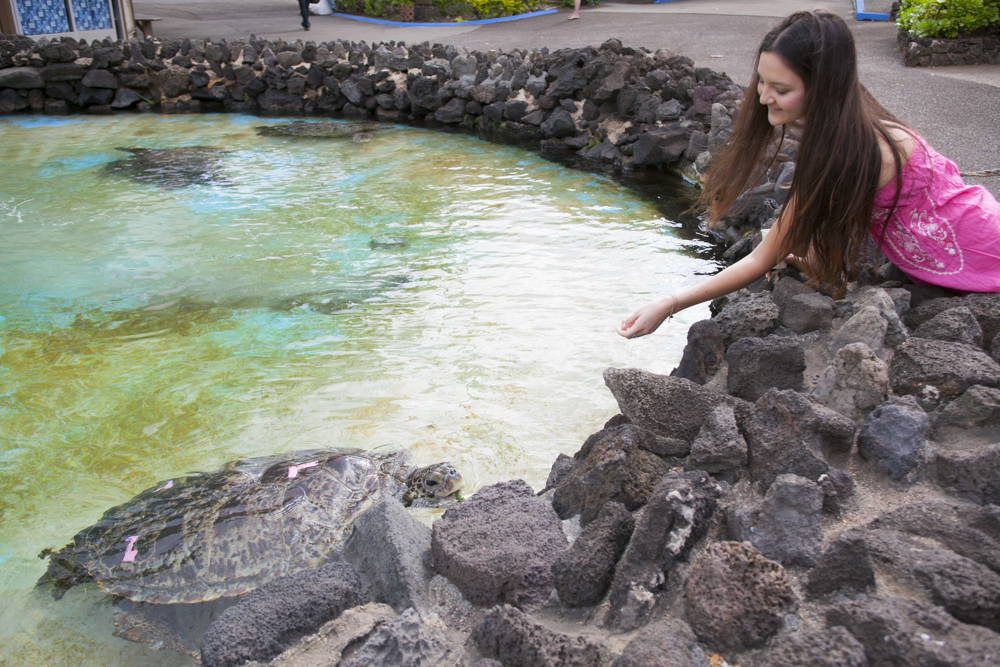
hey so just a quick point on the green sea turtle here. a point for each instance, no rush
(216, 535)
(171, 168)
(359, 131)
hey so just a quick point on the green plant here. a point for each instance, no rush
(947, 18)
(453, 8)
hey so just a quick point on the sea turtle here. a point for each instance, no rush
(359, 131)
(170, 168)
(220, 534)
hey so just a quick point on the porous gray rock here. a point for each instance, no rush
(986, 308)
(845, 568)
(808, 312)
(736, 598)
(667, 643)
(748, 315)
(558, 472)
(719, 448)
(559, 124)
(898, 632)
(100, 78)
(173, 81)
(271, 618)
(936, 371)
(865, 326)
(499, 545)
(516, 640)
(787, 288)
(671, 407)
(894, 435)
(759, 364)
(327, 645)
(391, 549)
(405, 641)
(675, 518)
(896, 331)
(854, 383)
(582, 574)
(979, 406)
(929, 308)
(21, 78)
(786, 525)
(826, 647)
(972, 475)
(703, 354)
(614, 467)
(788, 433)
(957, 325)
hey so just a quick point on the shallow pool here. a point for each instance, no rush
(165, 311)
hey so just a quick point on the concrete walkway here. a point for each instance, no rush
(956, 108)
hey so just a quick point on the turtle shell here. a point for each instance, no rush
(224, 533)
(300, 128)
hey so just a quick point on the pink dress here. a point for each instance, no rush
(942, 232)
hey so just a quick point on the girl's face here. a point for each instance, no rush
(780, 90)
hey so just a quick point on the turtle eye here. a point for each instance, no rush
(432, 482)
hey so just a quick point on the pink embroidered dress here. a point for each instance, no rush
(942, 232)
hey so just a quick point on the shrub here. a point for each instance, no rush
(490, 9)
(947, 18)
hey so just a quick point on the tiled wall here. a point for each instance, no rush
(45, 17)
(92, 14)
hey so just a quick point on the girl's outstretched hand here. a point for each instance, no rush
(647, 319)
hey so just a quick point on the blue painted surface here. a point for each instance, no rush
(861, 15)
(660, 2)
(401, 24)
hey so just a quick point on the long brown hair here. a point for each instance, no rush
(839, 161)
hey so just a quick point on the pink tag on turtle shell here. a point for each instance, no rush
(293, 471)
(130, 553)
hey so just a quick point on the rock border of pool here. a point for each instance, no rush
(816, 483)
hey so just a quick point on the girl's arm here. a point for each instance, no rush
(737, 276)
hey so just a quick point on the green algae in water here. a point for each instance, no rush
(418, 290)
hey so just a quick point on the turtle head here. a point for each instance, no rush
(433, 486)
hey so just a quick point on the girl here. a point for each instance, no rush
(859, 173)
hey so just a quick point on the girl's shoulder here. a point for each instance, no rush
(905, 141)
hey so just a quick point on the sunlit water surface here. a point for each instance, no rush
(420, 290)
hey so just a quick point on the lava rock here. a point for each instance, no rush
(935, 370)
(957, 325)
(674, 520)
(703, 354)
(845, 568)
(827, 647)
(405, 641)
(736, 598)
(759, 364)
(855, 383)
(896, 631)
(755, 315)
(499, 545)
(271, 618)
(667, 643)
(719, 448)
(979, 406)
(866, 326)
(515, 640)
(582, 574)
(973, 475)
(785, 526)
(894, 435)
(808, 312)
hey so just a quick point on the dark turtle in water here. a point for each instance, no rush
(221, 534)
(359, 131)
(171, 168)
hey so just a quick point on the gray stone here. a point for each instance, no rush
(464, 67)
(785, 526)
(661, 146)
(21, 78)
(736, 598)
(288, 59)
(894, 435)
(613, 466)
(826, 647)
(499, 545)
(957, 325)
(124, 98)
(10, 101)
(896, 332)
(271, 618)
(866, 326)
(560, 469)
(671, 407)
(515, 640)
(935, 370)
(667, 643)
(929, 308)
(391, 549)
(675, 518)
(755, 315)
(788, 433)
(973, 475)
(719, 448)
(808, 312)
(703, 354)
(759, 364)
(854, 383)
(788, 288)
(452, 112)
(845, 568)
(173, 81)
(559, 124)
(276, 102)
(907, 633)
(100, 78)
(582, 574)
(326, 646)
(405, 641)
(979, 406)
(986, 308)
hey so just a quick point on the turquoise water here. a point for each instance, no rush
(419, 290)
